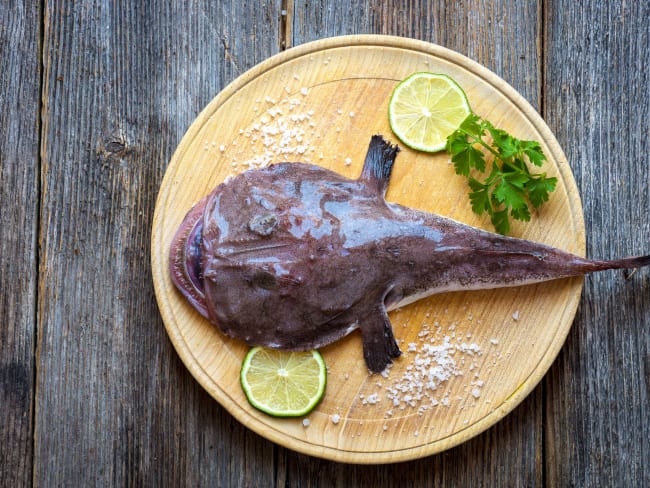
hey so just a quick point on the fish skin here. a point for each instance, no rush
(294, 256)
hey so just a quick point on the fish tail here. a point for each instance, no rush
(623, 263)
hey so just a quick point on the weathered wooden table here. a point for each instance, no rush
(94, 98)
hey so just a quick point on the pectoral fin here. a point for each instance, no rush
(379, 345)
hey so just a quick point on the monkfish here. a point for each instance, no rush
(294, 256)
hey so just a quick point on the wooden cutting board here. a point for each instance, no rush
(320, 103)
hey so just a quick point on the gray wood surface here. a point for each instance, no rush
(597, 101)
(94, 98)
(19, 225)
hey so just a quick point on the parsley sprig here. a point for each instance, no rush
(509, 188)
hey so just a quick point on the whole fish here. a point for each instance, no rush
(294, 256)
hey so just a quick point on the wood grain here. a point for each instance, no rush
(19, 205)
(598, 103)
(121, 83)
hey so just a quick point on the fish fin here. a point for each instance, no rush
(379, 345)
(379, 163)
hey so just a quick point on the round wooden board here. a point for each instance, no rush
(320, 103)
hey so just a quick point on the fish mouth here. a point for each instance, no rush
(185, 258)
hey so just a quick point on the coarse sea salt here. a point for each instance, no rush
(435, 359)
(370, 399)
(275, 136)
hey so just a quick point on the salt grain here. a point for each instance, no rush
(335, 418)
(305, 422)
(372, 399)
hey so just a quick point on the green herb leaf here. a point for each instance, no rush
(521, 213)
(472, 126)
(467, 158)
(479, 197)
(539, 189)
(510, 188)
(509, 195)
(500, 222)
(533, 150)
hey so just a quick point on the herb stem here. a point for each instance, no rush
(474, 140)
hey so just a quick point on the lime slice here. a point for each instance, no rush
(425, 108)
(283, 384)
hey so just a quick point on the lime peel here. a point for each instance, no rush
(425, 108)
(281, 383)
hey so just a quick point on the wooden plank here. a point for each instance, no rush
(597, 100)
(505, 37)
(19, 201)
(123, 81)
(501, 35)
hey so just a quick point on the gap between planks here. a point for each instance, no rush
(286, 25)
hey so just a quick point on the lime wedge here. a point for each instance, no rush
(425, 108)
(283, 384)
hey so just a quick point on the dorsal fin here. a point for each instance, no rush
(379, 163)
